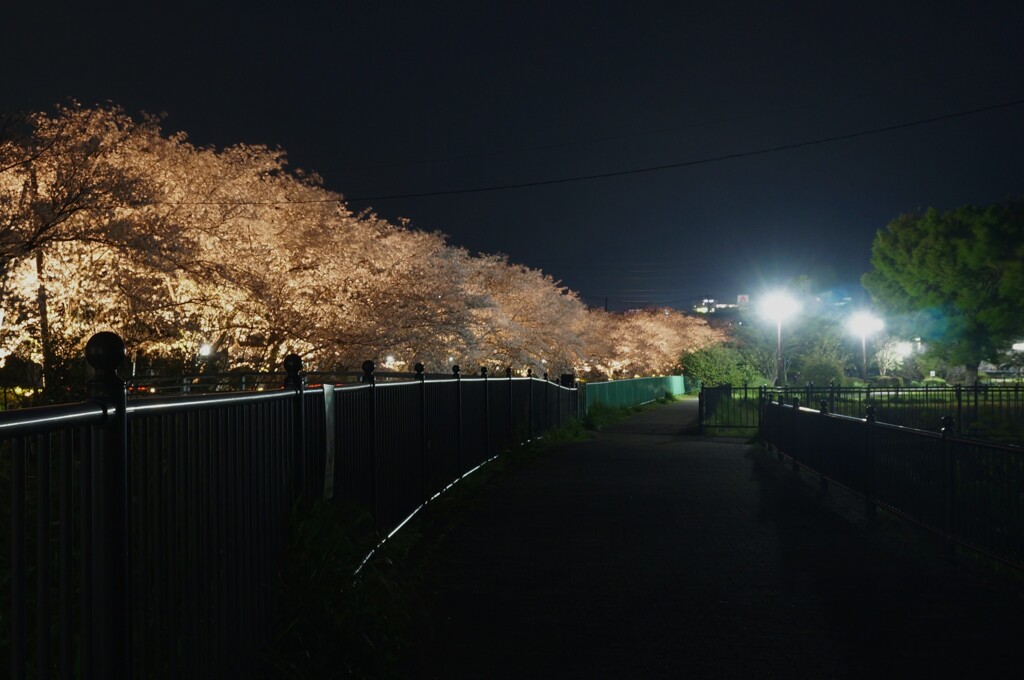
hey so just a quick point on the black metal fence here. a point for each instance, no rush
(969, 491)
(990, 412)
(146, 534)
(725, 409)
(201, 383)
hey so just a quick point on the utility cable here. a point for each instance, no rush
(617, 173)
(684, 164)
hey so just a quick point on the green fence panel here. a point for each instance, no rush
(632, 392)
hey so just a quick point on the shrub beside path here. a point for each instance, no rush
(648, 552)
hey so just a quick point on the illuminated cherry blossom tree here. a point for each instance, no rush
(108, 223)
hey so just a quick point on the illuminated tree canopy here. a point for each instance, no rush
(956, 279)
(107, 223)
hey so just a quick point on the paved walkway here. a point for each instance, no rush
(647, 553)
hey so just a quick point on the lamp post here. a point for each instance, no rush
(864, 324)
(778, 307)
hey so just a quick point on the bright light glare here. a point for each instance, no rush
(904, 349)
(205, 349)
(778, 306)
(864, 323)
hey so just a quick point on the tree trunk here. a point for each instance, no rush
(48, 382)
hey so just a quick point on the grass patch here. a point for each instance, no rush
(600, 415)
(337, 625)
(747, 433)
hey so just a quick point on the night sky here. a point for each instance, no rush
(387, 99)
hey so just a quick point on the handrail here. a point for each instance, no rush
(204, 401)
(42, 419)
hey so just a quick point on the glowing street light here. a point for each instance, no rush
(778, 307)
(864, 324)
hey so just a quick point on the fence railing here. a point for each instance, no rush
(146, 535)
(969, 491)
(634, 391)
(201, 383)
(990, 412)
(726, 408)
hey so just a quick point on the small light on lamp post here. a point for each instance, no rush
(778, 307)
(864, 324)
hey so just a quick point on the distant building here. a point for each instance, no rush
(711, 306)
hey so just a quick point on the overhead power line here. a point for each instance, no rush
(684, 164)
(708, 122)
(619, 173)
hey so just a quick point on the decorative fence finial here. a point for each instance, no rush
(105, 352)
(293, 365)
(947, 425)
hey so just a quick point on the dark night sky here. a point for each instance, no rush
(389, 98)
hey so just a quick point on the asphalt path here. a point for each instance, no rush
(649, 552)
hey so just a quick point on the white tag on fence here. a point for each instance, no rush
(329, 441)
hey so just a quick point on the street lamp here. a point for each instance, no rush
(778, 307)
(863, 324)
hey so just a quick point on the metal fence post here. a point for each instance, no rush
(870, 511)
(296, 381)
(458, 409)
(973, 431)
(547, 403)
(375, 497)
(105, 353)
(581, 399)
(487, 414)
(700, 411)
(512, 435)
(822, 445)
(959, 407)
(760, 414)
(424, 478)
(948, 483)
(796, 433)
(529, 374)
